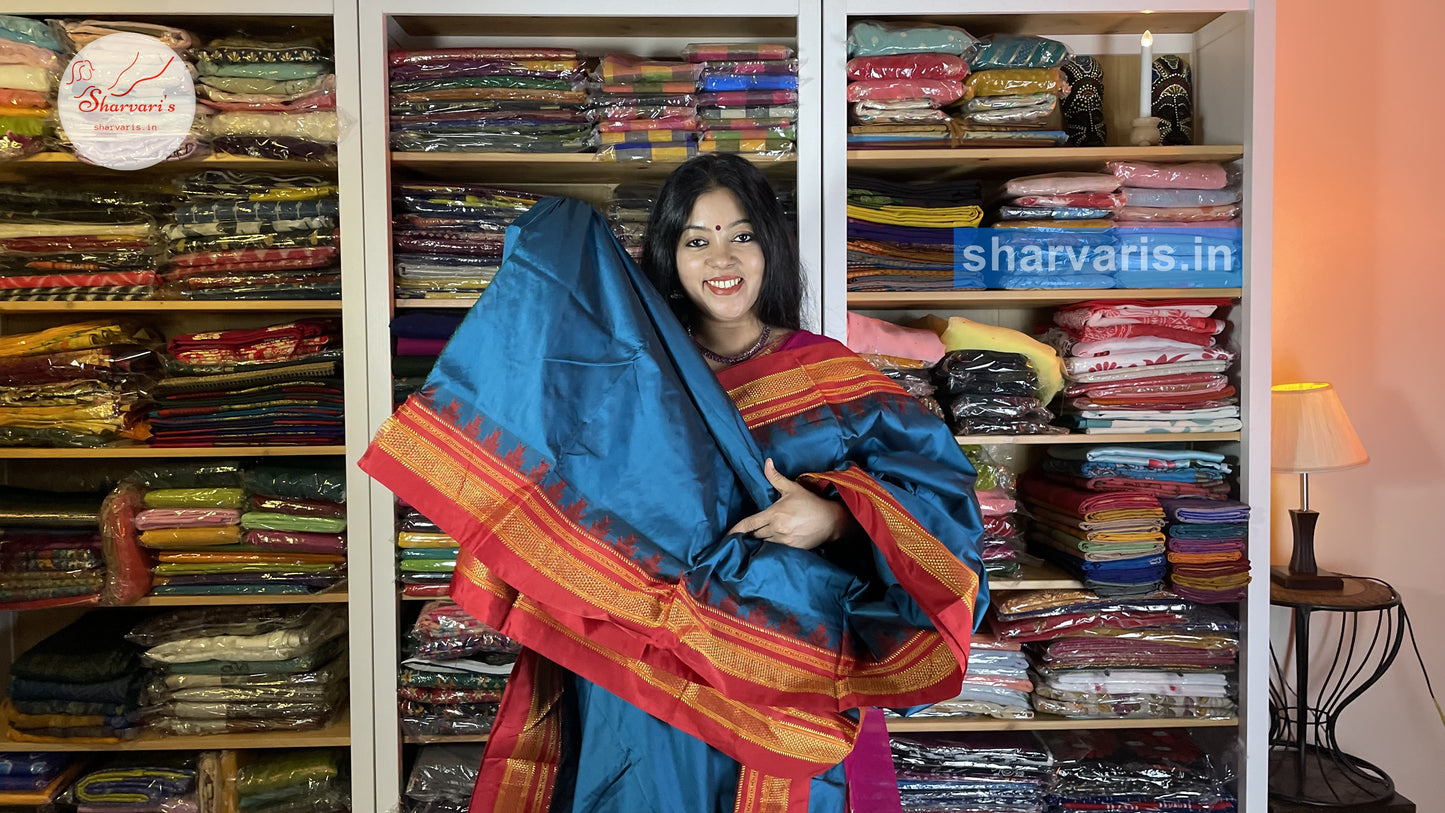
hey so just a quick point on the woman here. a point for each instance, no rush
(708, 580)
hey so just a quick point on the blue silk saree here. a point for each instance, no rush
(590, 463)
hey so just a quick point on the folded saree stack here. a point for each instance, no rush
(901, 236)
(274, 385)
(268, 668)
(990, 392)
(80, 685)
(246, 235)
(274, 98)
(306, 780)
(36, 779)
(76, 385)
(979, 772)
(426, 556)
(507, 100)
(50, 549)
(1093, 657)
(1188, 216)
(627, 214)
(442, 778)
(1053, 231)
(1003, 532)
(1163, 471)
(900, 76)
(138, 784)
(295, 534)
(1162, 771)
(455, 672)
(447, 238)
(1208, 548)
(418, 338)
(29, 68)
(1151, 366)
(747, 97)
(1112, 540)
(1012, 93)
(80, 243)
(77, 34)
(646, 109)
(996, 685)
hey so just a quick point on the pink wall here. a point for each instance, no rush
(1359, 300)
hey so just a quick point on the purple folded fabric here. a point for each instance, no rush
(1205, 545)
(297, 541)
(1199, 510)
(1210, 596)
(419, 347)
(154, 518)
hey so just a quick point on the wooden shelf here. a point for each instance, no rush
(333, 596)
(442, 739)
(148, 452)
(1071, 23)
(1081, 437)
(1037, 577)
(165, 306)
(337, 734)
(459, 302)
(957, 300)
(1044, 722)
(566, 168)
(948, 161)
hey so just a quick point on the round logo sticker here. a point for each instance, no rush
(126, 101)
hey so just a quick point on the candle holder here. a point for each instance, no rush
(1145, 132)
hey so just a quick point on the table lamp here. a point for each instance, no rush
(1311, 433)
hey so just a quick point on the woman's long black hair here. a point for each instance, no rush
(781, 299)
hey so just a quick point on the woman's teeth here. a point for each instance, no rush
(730, 283)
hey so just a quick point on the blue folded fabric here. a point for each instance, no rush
(1205, 511)
(1179, 279)
(749, 82)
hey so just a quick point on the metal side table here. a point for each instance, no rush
(1306, 765)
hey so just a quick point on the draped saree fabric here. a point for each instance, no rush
(589, 464)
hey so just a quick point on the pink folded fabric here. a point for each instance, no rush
(1197, 175)
(908, 66)
(1234, 223)
(1060, 183)
(869, 335)
(1178, 214)
(940, 91)
(154, 518)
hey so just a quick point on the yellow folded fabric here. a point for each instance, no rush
(942, 217)
(203, 537)
(421, 539)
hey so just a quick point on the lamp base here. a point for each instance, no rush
(1319, 580)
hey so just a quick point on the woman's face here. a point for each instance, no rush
(719, 260)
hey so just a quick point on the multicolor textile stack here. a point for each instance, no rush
(35, 779)
(274, 97)
(295, 531)
(442, 778)
(447, 238)
(454, 676)
(901, 235)
(646, 108)
(1162, 771)
(1054, 231)
(29, 67)
(1188, 216)
(246, 235)
(76, 385)
(308, 780)
(980, 772)
(418, 338)
(996, 685)
(1111, 540)
(513, 100)
(1208, 548)
(1163, 471)
(1094, 657)
(78, 242)
(80, 685)
(628, 212)
(1150, 366)
(900, 75)
(748, 97)
(1003, 533)
(426, 557)
(50, 549)
(270, 668)
(275, 385)
(1014, 85)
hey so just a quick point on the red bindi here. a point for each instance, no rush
(719, 228)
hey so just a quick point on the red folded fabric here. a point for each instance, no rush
(1159, 488)
(1086, 504)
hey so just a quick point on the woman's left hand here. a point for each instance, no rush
(799, 519)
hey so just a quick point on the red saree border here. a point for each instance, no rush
(612, 600)
(761, 793)
(794, 743)
(524, 749)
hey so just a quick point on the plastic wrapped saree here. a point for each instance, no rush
(589, 463)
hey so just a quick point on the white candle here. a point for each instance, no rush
(1146, 74)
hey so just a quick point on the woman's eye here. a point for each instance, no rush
(696, 242)
(744, 237)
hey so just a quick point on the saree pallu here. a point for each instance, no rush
(591, 492)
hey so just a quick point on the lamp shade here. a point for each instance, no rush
(1311, 430)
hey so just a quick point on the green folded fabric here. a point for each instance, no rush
(195, 498)
(285, 771)
(268, 521)
(177, 569)
(429, 566)
(429, 553)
